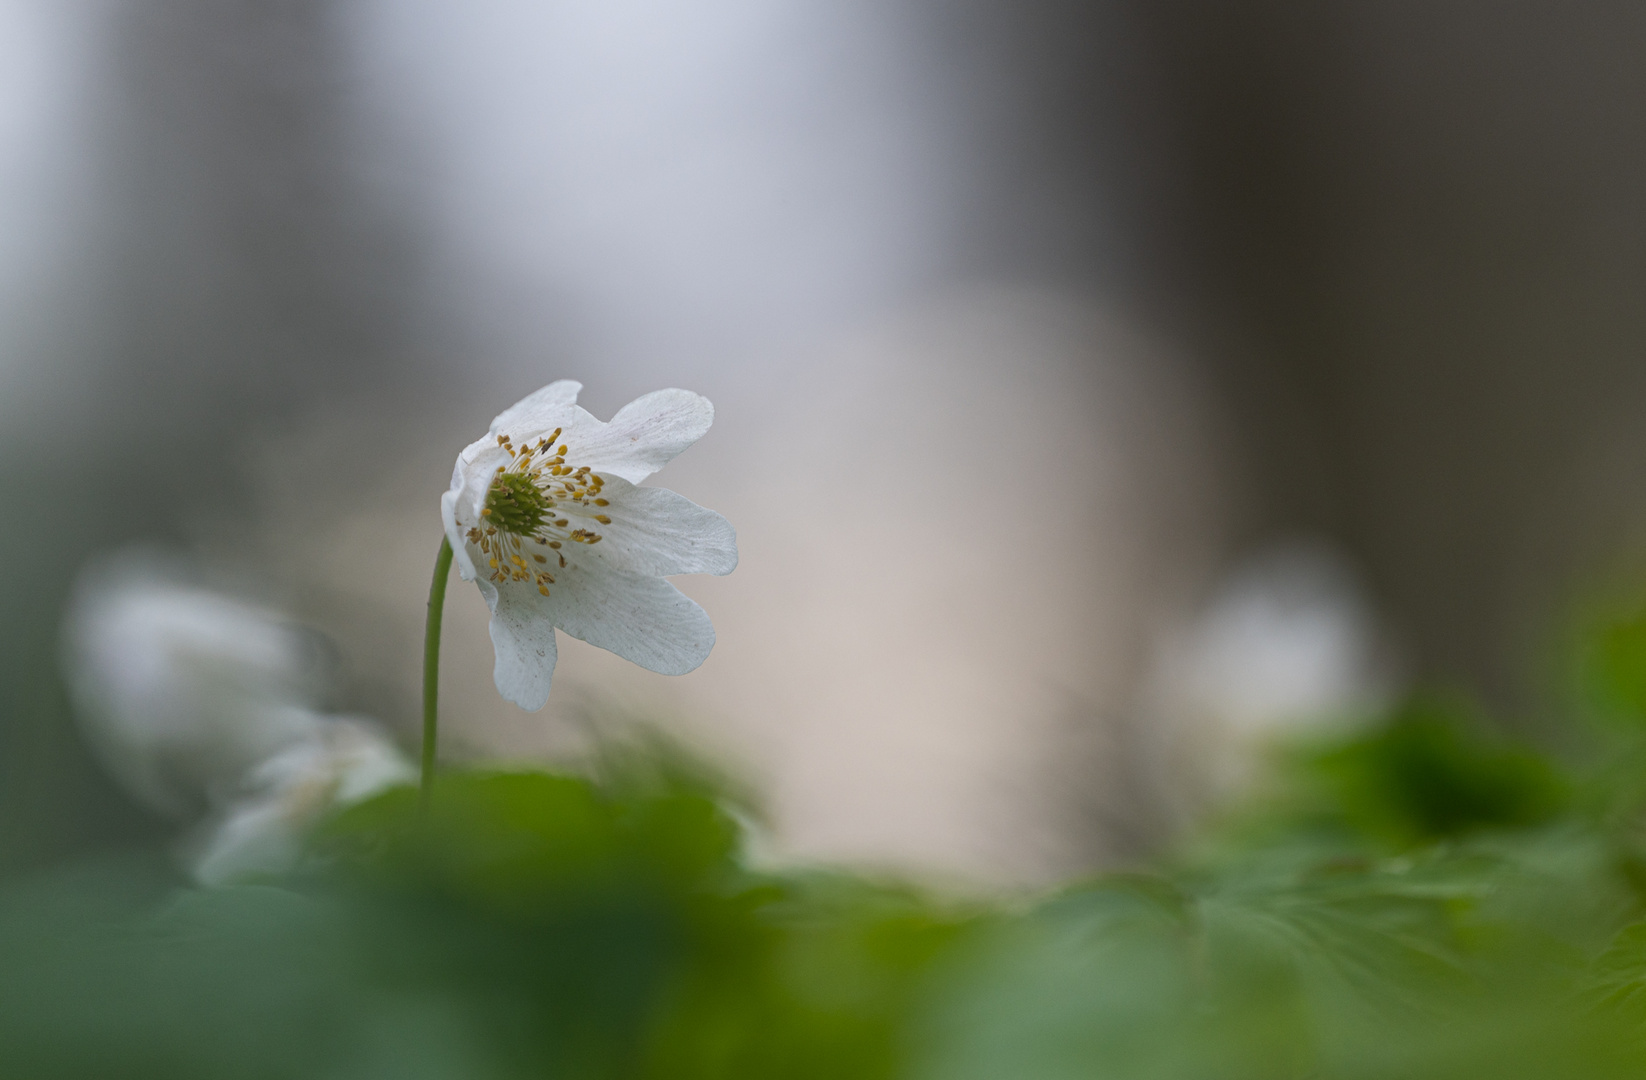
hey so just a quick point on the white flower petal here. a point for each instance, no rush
(540, 411)
(654, 531)
(522, 631)
(255, 838)
(642, 619)
(454, 531)
(460, 506)
(473, 473)
(645, 435)
(344, 761)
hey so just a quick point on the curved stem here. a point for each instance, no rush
(431, 662)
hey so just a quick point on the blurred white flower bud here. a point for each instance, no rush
(203, 706)
(1287, 645)
(179, 689)
(262, 830)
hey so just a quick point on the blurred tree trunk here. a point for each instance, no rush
(1410, 240)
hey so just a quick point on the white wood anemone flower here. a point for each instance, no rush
(545, 515)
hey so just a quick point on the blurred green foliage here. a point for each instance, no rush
(1611, 663)
(1425, 900)
(1436, 771)
(526, 925)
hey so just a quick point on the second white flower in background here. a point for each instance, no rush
(206, 707)
(545, 516)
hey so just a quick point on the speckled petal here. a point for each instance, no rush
(539, 411)
(522, 632)
(642, 619)
(645, 435)
(655, 531)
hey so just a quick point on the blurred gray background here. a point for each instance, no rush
(1030, 327)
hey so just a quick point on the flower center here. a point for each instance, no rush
(515, 504)
(529, 505)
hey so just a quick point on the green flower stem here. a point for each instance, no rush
(431, 662)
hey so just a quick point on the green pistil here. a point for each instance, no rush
(516, 505)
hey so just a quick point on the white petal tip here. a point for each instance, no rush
(534, 408)
(533, 703)
(684, 663)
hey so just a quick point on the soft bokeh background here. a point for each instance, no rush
(1099, 385)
